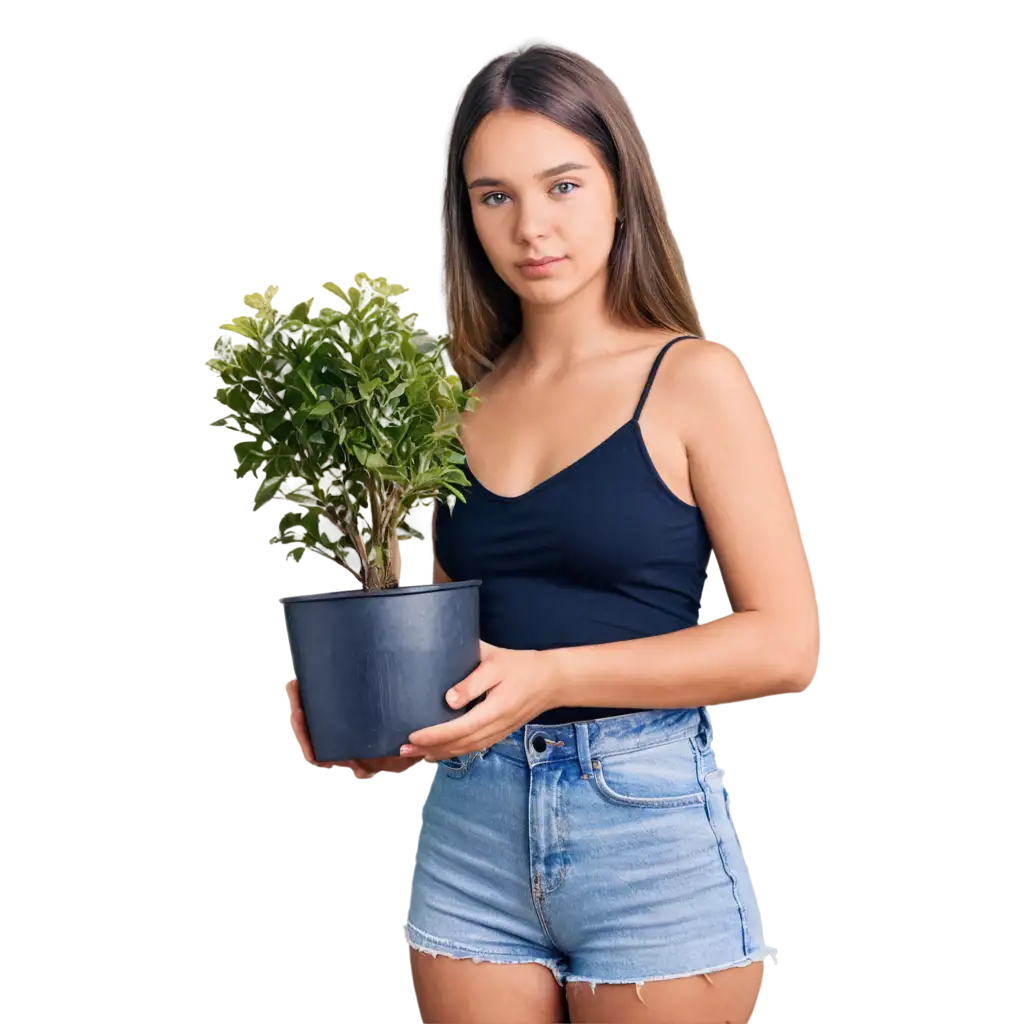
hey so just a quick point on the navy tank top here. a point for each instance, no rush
(601, 551)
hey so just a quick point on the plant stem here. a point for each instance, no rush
(374, 511)
(391, 517)
(391, 579)
(356, 541)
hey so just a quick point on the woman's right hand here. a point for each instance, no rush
(364, 767)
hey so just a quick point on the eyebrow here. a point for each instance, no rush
(549, 173)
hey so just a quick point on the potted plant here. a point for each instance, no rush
(352, 416)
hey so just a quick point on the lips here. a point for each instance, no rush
(540, 262)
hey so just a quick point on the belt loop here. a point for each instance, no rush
(583, 748)
(705, 731)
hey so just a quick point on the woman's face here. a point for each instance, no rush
(521, 211)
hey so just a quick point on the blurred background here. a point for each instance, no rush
(844, 184)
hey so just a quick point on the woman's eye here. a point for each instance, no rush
(497, 199)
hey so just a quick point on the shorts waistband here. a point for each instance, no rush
(594, 738)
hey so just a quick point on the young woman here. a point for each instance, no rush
(577, 858)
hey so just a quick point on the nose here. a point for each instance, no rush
(531, 224)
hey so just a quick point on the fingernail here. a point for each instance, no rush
(453, 698)
(406, 750)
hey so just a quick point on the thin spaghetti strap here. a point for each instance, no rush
(654, 370)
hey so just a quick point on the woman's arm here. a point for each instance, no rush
(770, 642)
(768, 645)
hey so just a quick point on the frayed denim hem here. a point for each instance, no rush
(442, 947)
(639, 982)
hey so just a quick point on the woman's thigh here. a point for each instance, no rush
(721, 997)
(463, 992)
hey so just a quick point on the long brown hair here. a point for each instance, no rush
(647, 284)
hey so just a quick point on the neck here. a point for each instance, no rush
(555, 338)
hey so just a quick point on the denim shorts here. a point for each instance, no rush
(603, 849)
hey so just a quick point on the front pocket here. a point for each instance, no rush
(662, 775)
(459, 766)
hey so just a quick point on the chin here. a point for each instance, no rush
(545, 293)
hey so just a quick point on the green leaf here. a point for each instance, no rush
(267, 490)
(291, 387)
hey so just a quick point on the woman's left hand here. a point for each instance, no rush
(519, 685)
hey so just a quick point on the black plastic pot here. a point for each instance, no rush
(374, 666)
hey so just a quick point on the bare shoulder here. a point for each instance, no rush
(706, 378)
(739, 484)
(703, 358)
